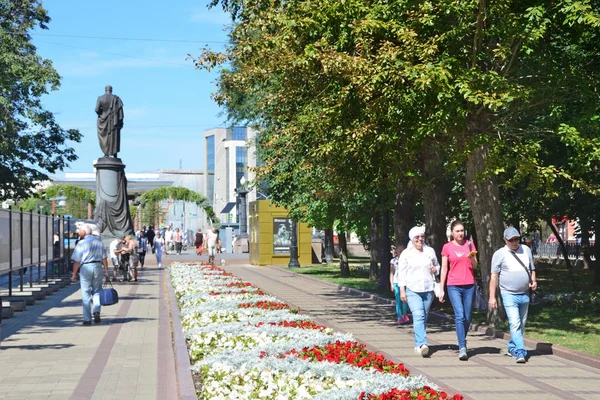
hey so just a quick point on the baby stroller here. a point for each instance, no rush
(124, 268)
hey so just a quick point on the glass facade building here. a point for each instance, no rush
(241, 163)
(210, 168)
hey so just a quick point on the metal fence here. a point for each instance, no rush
(28, 243)
(553, 250)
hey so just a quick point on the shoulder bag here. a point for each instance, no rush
(528, 270)
(108, 294)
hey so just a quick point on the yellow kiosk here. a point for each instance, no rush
(270, 234)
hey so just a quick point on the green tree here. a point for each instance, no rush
(149, 200)
(374, 92)
(32, 144)
(77, 199)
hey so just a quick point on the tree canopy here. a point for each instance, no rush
(366, 99)
(32, 143)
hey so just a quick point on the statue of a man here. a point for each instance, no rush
(109, 108)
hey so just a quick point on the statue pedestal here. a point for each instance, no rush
(112, 208)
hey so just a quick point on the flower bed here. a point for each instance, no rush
(245, 344)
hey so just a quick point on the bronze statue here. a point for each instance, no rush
(109, 108)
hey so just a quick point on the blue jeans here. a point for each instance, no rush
(401, 307)
(419, 303)
(516, 306)
(90, 279)
(461, 297)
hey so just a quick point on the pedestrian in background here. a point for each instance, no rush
(458, 263)
(89, 259)
(513, 267)
(211, 238)
(159, 246)
(150, 235)
(199, 241)
(129, 248)
(169, 240)
(142, 247)
(178, 237)
(401, 307)
(114, 250)
(418, 266)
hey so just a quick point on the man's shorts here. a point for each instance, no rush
(115, 262)
(212, 250)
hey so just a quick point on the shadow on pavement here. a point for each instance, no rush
(37, 346)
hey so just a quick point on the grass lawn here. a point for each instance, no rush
(577, 330)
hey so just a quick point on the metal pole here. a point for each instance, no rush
(39, 248)
(294, 247)
(31, 248)
(52, 252)
(10, 247)
(68, 244)
(21, 249)
(47, 249)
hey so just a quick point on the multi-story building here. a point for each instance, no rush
(229, 153)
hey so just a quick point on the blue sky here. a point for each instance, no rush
(167, 102)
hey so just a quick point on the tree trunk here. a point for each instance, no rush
(434, 196)
(385, 256)
(561, 244)
(596, 263)
(344, 266)
(374, 243)
(483, 196)
(404, 217)
(329, 245)
(585, 244)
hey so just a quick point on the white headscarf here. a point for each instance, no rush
(415, 231)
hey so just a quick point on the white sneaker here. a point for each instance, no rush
(423, 350)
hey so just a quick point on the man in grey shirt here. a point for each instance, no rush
(513, 264)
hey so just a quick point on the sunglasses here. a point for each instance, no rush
(513, 240)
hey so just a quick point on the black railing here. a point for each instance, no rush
(35, 244)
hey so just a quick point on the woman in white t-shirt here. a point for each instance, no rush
(417, 267)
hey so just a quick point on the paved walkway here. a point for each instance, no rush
(138, 351)
(489, 374)
(48, 354)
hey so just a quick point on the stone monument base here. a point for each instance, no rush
(112, 208)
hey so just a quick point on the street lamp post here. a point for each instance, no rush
(294, 246)
(242, 243)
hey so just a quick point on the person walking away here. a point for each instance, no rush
(150, 235)
(211, 238)
(178, 237)
(417, 267)
(169, 244)
(513, 268)
(130, 248)
(159, 246)
(89, 259)
(401, 307)
(142, 247)
(458, 263)
(114, 250)
(198, 242)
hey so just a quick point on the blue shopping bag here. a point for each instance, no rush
(108, 295)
